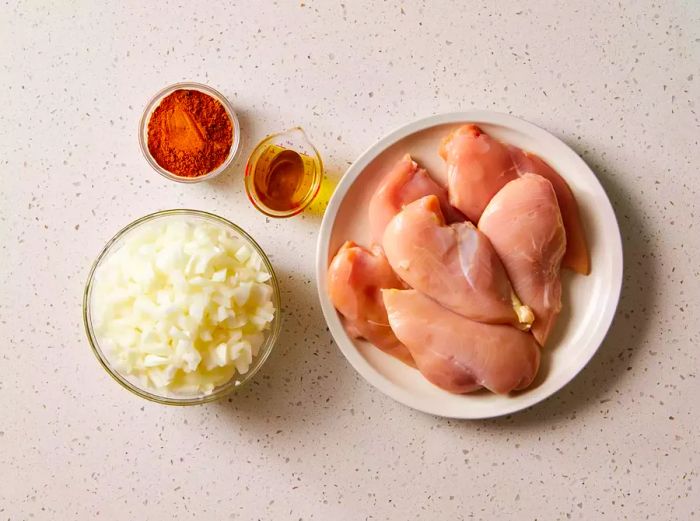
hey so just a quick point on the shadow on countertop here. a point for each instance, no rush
(595, 384)
(305, 356)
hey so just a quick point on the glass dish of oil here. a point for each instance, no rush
(283, 173)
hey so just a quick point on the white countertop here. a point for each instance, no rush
(309, 439)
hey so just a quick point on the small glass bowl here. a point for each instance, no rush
(294, 139)
(153, 104)
(238, 380)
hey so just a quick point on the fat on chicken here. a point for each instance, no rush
(356, 277)
(457, 354)
(525, 227)
(403, 184)
(455, 265)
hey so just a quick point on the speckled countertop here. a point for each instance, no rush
(618, 81)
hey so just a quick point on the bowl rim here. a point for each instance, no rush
(223, 390)
(154, 102)
(349, 350)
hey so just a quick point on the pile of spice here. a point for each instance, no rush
(189, 134)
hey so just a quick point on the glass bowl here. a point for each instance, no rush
(295, 140)
(131, 383)
(153, 104)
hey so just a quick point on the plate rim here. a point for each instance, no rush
(337, 331)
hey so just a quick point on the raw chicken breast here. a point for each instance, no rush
(477, 167)
(576, 256)
(455, 265)
(404, 184)
(458, 354)
(355, 278)
(525, 227)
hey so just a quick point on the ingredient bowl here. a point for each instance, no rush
(101, 327)
(588, 302)
(155, 102)
(283, 174)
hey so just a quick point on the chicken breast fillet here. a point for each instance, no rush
(356, 277)
(478, 166)
(525, 227)
(403, 184)
(576, 256)
(455, 265)
(457, 354)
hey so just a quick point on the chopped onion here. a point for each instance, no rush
(182, 305)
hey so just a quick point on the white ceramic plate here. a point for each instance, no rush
(589, 302)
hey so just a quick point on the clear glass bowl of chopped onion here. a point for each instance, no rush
(182, 307)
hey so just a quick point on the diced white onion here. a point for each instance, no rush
(182, 305)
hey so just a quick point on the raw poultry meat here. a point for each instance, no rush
(404, 183)
(576, 256)
(455, 265)
(356, 277)
(525, 227)
(458, 354)
(478, 166)
(452, 299)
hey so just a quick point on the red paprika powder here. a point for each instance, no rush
(190, 133)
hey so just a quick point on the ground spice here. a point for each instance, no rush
(189, 133)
